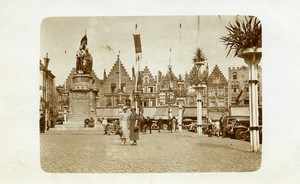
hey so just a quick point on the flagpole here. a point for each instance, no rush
(198, 30)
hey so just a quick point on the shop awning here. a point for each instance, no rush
(163, 112)
(149, 112)
(191, 112)
(108, 113)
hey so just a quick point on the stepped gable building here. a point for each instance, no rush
(191, 96)
(239, 87)
(217, 93)
(167, 88)
(117, 87)
(149, 95)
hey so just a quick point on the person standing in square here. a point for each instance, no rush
(133, 127)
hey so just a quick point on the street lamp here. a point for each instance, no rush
(199, 84)
(252, 58)
(180, 101)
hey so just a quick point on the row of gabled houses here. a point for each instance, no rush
(158, 93)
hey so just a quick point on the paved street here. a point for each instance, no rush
(91, 151)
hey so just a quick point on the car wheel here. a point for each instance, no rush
(240, 134)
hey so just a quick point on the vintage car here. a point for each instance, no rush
(193, 127)
(238, 127)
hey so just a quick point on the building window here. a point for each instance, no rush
(123, 87)
(235, 86)
(246, 102)
(127, 102)
(108, 102)
(233, 100)
(146, 80)
(145, 103)
(150, 89)
(234, 75)
(113, 87)
(117, 74)
(153, 102)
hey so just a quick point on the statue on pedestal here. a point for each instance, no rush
(84, 60)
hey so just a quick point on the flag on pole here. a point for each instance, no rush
(138, 46)
(241, 96)
(83, 39)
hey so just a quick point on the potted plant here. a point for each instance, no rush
(198, 61)
(244, 37)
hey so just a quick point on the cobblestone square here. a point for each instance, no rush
(93, 152)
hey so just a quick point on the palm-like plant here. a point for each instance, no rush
(199, 56)
(197, 59)
(242, 35)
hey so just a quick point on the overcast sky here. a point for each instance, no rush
(60, 37)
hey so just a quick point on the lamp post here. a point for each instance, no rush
(180, 101)
(65, 105)
(199, 85)
(252, 57)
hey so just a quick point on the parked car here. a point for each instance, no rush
(238, 127)
(193, 127)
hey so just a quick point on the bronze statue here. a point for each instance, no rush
(84, 60)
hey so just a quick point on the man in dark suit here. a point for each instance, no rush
(42, 123)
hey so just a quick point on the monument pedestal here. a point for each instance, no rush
(82, 100)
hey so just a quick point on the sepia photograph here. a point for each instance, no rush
(151, 94)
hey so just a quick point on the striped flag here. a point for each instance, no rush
(138, 46)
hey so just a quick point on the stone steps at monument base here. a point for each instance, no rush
(74, 126)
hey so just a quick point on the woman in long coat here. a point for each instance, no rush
(124, 125)
(133, 119)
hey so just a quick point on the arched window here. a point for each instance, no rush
(234, 75)
(146, 80)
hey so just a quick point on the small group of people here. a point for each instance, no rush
(146, 124)
(89, 122)
(45, 125)
(172, 124)
(217, 127)
(129, 126)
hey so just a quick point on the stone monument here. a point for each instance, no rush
(83, 92)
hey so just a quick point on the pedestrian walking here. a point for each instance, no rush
(223, 125)
(133, 127)
(210, 126)
(124, 125)
(42, 123)
(148, 123)
(48, 125)
(159, 124)
(217, 128)
(173, 124)
(105, 125)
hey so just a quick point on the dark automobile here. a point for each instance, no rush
(238, 127)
